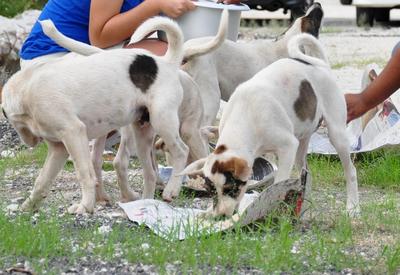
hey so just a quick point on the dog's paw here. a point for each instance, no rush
(79, 209)
(170, 193)
(354, 212)
(29, 205)
(103, 200)
(130, 196)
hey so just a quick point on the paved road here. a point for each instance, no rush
(335, 13)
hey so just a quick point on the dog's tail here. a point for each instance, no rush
(70, 44)
(192, 51)
(308, 49)
(174, 36)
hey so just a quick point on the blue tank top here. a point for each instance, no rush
(71, 17)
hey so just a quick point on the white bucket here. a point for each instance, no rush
(204, 20)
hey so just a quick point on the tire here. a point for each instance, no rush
(346, 2)
(382, 15)
(365, 17)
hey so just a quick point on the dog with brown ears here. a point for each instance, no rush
(277, 111)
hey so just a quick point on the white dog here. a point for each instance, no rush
(277, 111)
(220, 72)
(69, 101)
(190, 117)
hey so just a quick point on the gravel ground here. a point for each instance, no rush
(348, 50)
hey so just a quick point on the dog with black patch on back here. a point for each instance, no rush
(190, 117)
(277, 111)
(221, 71)
(66, 102)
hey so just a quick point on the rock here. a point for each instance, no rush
(104, 229)
(13, 207)
(9, 140)
(12, 35)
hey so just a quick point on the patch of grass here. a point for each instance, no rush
(11, 8)
(24, 157)
(37, 156)
(269, 247)
(379, 168)
(359, 63)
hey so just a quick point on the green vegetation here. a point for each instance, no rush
(10, 8)
(327, 243)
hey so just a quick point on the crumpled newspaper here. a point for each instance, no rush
(179, 223)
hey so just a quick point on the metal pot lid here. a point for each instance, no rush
(214, 5)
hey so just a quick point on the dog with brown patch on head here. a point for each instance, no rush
(220, 72)
(277, 111)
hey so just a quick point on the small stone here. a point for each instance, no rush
(17, 199)
(13, 207)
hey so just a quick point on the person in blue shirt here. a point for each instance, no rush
(102, 23)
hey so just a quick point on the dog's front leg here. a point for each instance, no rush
(77, 144)
(56, 158)
(97, 160)
(121, 163)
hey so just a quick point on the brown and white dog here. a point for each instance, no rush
(277, 111)
(69, 101)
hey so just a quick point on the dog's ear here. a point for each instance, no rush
(372, 75)
(194, 169)
(237, 166)
(311, 22)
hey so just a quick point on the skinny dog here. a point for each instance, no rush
(190, 117)
(69, 101)
(277, 111)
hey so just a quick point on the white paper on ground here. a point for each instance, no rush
(174, 222)
(179, 223)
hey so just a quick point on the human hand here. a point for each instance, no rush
(356, 106)
(228, 2)
(175, 8)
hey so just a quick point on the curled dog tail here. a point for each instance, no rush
(193, 51)
(174, 36)
(70, 44)
(313, 50)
